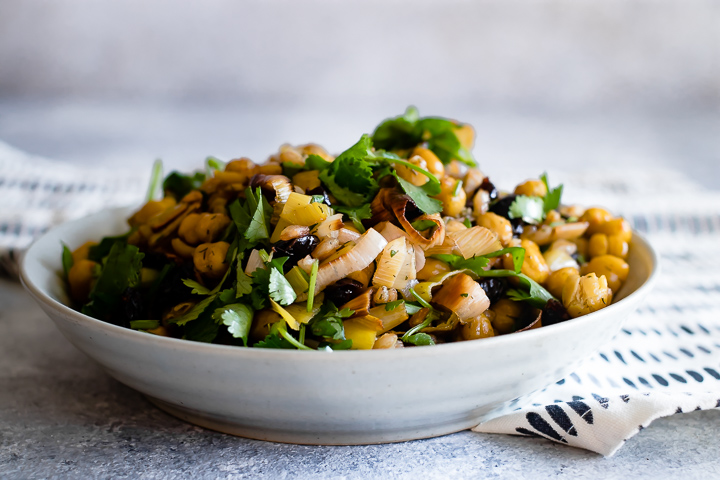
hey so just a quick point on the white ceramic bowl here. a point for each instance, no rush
(310, 397)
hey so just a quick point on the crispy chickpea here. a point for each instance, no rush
(413, 176)
(82, 252)
(534, 265)
(552, 217)
(203, 227)
(565, 245)
(452, 197)
(586, 294)
(595, 216)
(161, 330)
(617, 226)
(384, 295)
(181, 248)
(478, 327)
(506, 312)
(466, 134)
(434, 165)
(150, 209)
(262, 322)
(617, 246)
(556, 281)
(598, 245)
(582, 246)
(531, 188)
(81, 277)
(481, 202)
(614, 269)
(307, 180)
(241, 165)
(388, 340)
(497, 224)
(209, 259)
(432, 268)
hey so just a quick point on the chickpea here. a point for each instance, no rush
(81, 277)
(413, 176)
(617, 246)
(478, 327)
(598, 245)
(452, 197)
(150, 209)
(557, 279)
(384, 295)
(582, 246)
(307, 180)
(203, 227)
(552, 217)
(209, 259)
(432, 269)
(534, 265)
(506, 312)
(586, 294)
(82, 252)
(565, 245)
(388, 340)
(531, 188)
(434, 165)
(262, 323)
(181, 248)
(497, 224)
(315, 149)
(161, 330)
(614, 269)
(473, 180)
(241, 165)
(481, 202)
(466, 134)
(595, 216)
(617, 226)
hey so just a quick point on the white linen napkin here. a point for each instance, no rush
(666, 360)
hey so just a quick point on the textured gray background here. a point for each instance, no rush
(575, 85)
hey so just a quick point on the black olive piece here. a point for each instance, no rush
(502, 207)
(172, 290)
(132, 307)
(154, 260)
(319, 190)
(554, 312)
(494, 287)
(295, 249)
(518, 225)
(342, 291)
(488, 186)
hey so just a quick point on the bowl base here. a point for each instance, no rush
(225, 425)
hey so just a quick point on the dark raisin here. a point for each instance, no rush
(494, 287)
(488, 186)
(319, 190)
(295, 249)
(343, 291)
(502, 207)
(554, 312)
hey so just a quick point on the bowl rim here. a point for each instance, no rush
(444, 348)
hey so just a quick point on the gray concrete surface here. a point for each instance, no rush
(62, 417)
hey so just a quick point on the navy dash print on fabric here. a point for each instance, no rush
(539, 424)
(582, 409)
(660, 380)
(603, 401)
(561, 418)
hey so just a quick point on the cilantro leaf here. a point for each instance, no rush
(420, 196)
(273, 340)
(421, 225)
(144, 324)
(316, 162)
(357, 215)
(409, 130)
(203, 329)
(244, 282)
(458, 262)
(530, 209)
(67, 259)
(328, 323)
(393, 305)
(179, 185)
(517, 253)
(252, 218)
(120, 271)
(551, 201)
(280, 289)
(350, 177)
(237, 317)
(419, 339)
(411, 308)
(194, 312)
(102, 249)
(197, 288)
